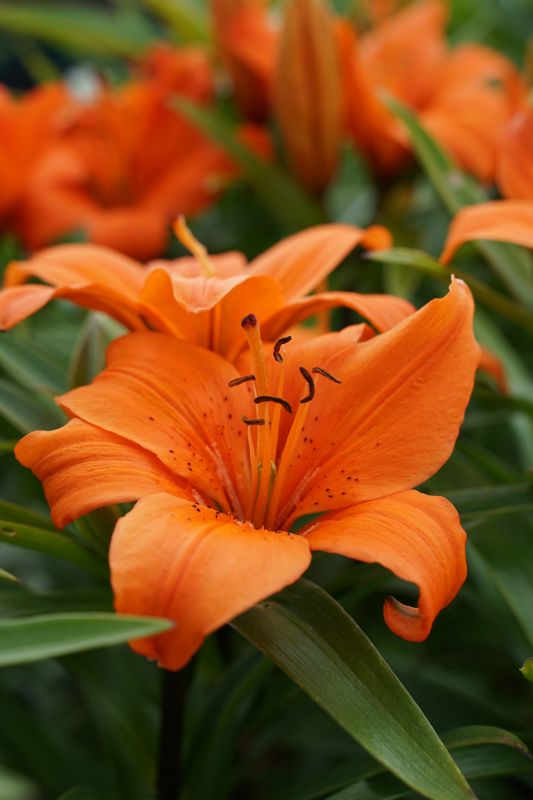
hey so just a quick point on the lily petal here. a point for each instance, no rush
(393, 420)
(179, 408)
(301, 261)
(198, 567)
(417, 537)
(499, 221)
(83, 468)
(87, 275)
(381, 310)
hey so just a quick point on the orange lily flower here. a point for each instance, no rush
(509, 220)
(202, 299)
(107, 178)
(28, 127)
(464, 97)
(247, 44)
(223, 461)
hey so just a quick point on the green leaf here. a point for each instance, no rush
(280, 194)
(29, 366)
(16, 787)
(307, 633)
(77, 27)
(513, 264)
(26, 529)
(18, 601)
(25, 411)
(8, 576)
(422, 262)
(184, 18)
(481, 751)
(527, 669)
(88, 355)
(490, 501)
(55, 635)
(508, 560)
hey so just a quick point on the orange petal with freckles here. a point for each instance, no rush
(173, 399)
(382, 311)
(301, 261)
(396, 413)
(170, 558)
(83, 468)
(417, 537)
(499, 221)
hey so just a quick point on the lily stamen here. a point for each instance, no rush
(326, 374)
(276, 352)
(253, 420)
(310, 382)
(272, 399)
(238, 381)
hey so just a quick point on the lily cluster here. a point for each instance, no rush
(326, 80)
(228, 430)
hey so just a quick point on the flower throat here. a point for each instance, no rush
(269, 471)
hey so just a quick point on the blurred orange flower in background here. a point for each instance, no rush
(222, 471)
(464, 96)
(511, 219)
(121, 164)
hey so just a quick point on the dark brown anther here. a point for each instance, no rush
(249, 321)
(238, 381)
(310, 382)
(253, 421)
(277, 348)
(266, 398)
(327, 375)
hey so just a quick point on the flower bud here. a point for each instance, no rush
(246, 44)
(308, 92)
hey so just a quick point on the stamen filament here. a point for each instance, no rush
(285, 463)
(188, 240)
(264, 452)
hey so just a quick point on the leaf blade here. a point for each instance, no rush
(308, 635)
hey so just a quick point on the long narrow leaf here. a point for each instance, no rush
(307, 633)
(54, 635)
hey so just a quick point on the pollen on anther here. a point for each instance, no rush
(238, 381)
(277, 348)
(311, 384)
(249, 321)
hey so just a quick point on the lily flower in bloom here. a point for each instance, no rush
(202, 299)
(223, 461)
(511, 219)
(464, 97)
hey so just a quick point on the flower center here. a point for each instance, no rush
(270, 462)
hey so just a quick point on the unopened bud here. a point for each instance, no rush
(246, 44)
(308, 92)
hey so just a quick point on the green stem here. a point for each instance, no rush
(170, 773)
